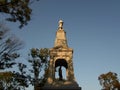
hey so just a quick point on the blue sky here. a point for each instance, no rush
(93, 31)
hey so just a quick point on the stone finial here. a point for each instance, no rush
(60, 24)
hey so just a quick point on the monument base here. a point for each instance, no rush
(61, 85)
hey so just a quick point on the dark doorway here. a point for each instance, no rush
(63, 64)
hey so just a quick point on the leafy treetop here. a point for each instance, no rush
(18, 10)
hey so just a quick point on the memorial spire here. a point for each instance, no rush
(60, 39)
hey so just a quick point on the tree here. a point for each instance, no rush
(9, 45)
(18, 10)
(109, 81)
(21, 80)
(5, 80)
(14, 80)
(39, 62)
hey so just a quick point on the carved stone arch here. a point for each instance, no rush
(61, 62)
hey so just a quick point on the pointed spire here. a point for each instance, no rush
(60, 39)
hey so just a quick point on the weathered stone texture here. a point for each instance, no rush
(61, 55)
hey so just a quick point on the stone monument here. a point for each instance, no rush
(61, 56)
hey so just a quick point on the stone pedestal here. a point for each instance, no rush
(61, 85)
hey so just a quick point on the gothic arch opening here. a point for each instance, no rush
(63, 64)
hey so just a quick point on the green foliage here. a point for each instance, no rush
(9, 45)
(18, 10)
(5, 76)
(13, 81)
(21, 79)
(39, 62)
(5, 80)
(109, 81)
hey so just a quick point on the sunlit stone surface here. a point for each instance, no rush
(61, 55)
